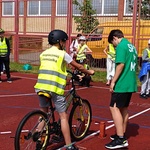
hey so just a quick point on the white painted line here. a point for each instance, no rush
(139, 113)
(24, 131)
(111, 121)
(25, 77)
(7, 132)
(16, 95)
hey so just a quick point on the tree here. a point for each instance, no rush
(87, 19)
(144, 8)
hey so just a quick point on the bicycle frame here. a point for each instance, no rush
(70, 96)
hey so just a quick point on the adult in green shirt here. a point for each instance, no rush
(122, 86)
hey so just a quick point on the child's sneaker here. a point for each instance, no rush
(72, 147)
(115, 136)
(112, 137)
(117, 143)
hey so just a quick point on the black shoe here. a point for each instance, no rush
(115, 136)
(0, 80)
(72, 147)
(117, 143)
(148, 95)
(9, 80)
(38, 145)
(112, 137)
(143, 96)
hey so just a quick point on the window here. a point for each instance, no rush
(39, 8)
(21, 8)
(128, 7)
(102, 7)
(97, 5)
(62, 7)
(111, 7)
(8, 8)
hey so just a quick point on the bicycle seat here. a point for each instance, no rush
(43, 93)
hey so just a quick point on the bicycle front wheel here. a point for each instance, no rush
(80, 120)
(32, 132)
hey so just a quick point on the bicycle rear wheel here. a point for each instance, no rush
(80, 120)
(28, 136)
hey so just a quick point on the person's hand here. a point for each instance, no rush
(112, 87)
(91, 72)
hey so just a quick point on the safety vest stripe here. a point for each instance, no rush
(50, 72)
(48, 82)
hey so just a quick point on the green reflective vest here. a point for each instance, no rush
(3, 47)
(81, 55)
(52, 72)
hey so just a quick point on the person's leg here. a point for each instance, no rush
(144, 87)
(65, 127)
(108, 65)
(44, 104)
(1, 68)
(148, 85)
(118, 120)
(6, 64)
(118, 102)
(125, 116)
(60, 105)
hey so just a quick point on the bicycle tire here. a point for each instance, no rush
(26, 136)
(80, 124)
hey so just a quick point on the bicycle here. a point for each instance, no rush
(26, 136)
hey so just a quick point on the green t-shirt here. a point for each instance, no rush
(126, 54)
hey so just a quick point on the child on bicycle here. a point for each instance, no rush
(52, 79)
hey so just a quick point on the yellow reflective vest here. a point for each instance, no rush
(81, 55)
(111, 52)
(148, 51)
(52, 72)
(3, 47)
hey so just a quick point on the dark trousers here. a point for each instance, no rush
(6, 62)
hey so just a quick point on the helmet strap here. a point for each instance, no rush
(60, 46)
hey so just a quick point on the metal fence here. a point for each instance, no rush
(28, 22)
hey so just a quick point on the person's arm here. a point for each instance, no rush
(68, 59)
(81, 68)
(87, 50)
(105, 50)
(8, 46)
(118, 71)
(145, 57)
